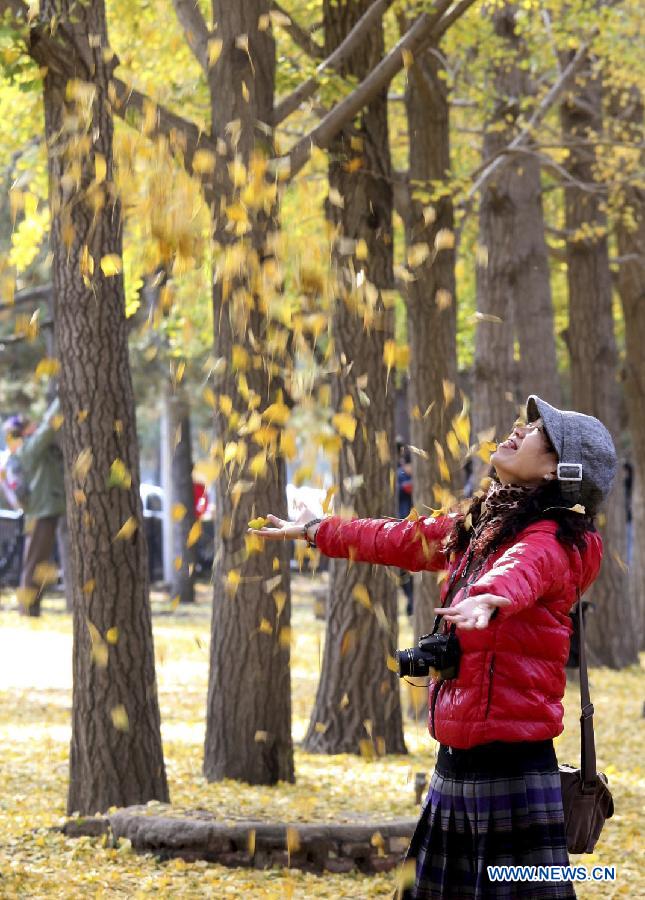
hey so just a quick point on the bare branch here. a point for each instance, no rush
(429, 27)
(195, 29)
(299, 35)
(342, 53)
(42, 293)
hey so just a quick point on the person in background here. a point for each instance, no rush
(35, 474)
(404, 506)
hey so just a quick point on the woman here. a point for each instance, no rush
(517, 561)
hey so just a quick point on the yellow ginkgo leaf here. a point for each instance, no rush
(258, 522)
(126, 531)
(178, 512)
(345, 425)
(100, 168)
(194, 533)
(361, 595)
(111, 265)
(120, 718)
(214, 50)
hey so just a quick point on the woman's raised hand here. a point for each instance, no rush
(278, 529)
(472, 612)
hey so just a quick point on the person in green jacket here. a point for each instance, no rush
(36, 469)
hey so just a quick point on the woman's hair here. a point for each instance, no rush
(545, 502)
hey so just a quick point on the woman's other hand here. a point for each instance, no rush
(278, 529)
(472, 612)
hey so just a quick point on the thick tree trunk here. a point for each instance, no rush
(431, 307)
(116, 755)
(513, 291)
(630, 236)
(611, 632)
(357, 706)
(182, 499)
(248, 732)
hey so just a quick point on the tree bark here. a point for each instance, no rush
(513, 289)
(630, 238)
(248, 730)
(431, 305)
(357, 708)
(611, 632)
(185, 555)
(116, 754)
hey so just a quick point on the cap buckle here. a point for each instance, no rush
(569, 471)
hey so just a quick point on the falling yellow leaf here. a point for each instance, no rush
(214, 50)
(408, 57)
(329, 496)
(100, 168)
(232, 583)
(100, 651)
(293, 840)
(348, 641)
(203, 162)
(194, 534)
(119, 475)
(417, 255)
(126, 531)
(444, 239)
(361, 595)
(120, 718)
(83, 464)
(345, 425)
(178, 512)
(112, 635)
(111, 265)
(48, 367)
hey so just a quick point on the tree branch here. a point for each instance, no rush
(195, 29)
(183, 134)
(342, 53)
(38, 294)
(299, 35)
(491, 166)
(428, 27)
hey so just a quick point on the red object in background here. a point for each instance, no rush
(200, 498)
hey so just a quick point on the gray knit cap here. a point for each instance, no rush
(586, 455)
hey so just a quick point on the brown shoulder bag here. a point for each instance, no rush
(586, 799)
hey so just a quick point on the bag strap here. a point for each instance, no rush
(587, 742)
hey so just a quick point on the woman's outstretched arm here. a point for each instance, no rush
(409, 544)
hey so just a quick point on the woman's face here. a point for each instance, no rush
(526, 457)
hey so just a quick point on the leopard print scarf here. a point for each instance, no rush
(500, 500)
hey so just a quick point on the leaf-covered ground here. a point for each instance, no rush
(35, 697)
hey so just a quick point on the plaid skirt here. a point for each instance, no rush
(499, 804)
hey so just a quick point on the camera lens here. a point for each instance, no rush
(412, 662)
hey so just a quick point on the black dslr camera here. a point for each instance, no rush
(440, 652)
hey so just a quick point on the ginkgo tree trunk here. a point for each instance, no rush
(612, 631)
(431, 305)
(357, 706)
(513, 290)
(248, 730)
(116, 756)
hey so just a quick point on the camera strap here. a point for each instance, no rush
(461, 577)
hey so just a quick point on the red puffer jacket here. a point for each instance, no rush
(511, 675)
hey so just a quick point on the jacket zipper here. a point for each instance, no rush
(491, 669)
